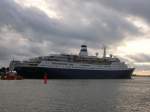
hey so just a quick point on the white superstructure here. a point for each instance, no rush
(81, 61)
(70, 65)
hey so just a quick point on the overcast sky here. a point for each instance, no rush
(31, 28)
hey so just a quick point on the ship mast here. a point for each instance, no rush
(104, 51)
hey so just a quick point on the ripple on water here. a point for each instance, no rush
(75, 96)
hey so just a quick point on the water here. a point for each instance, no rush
(75, 95)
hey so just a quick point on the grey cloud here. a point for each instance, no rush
(140, 58)
(102, 26)
(139, 8)
(142, 68)
(33, 21)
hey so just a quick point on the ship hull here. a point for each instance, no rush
(57, 73)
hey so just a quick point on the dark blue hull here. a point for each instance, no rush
(56, 73)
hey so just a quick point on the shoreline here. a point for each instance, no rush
(141, 75)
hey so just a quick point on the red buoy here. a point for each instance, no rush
(45, 78)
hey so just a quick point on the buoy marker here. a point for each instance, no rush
(45, 79)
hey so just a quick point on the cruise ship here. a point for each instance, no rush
(68, 66)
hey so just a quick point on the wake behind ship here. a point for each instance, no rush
(66, 66)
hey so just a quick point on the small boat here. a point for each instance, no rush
(11, 75)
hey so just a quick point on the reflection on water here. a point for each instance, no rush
(75, 95)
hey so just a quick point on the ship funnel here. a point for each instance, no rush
(83, 51)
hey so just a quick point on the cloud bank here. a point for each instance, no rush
(31, 28)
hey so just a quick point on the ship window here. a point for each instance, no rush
(60, 63)
(84, 65)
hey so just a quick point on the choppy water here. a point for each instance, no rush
(75, 96)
